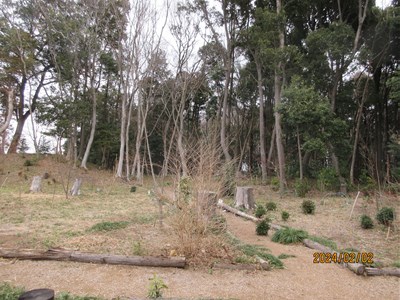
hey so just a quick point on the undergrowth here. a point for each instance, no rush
(252, 251)
(9, 292)
(109, 226)
(289, 235)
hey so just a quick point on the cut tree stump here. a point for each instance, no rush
(60, 254)
(244, 197)
(76, 188)
(38, 294)
(36, 185)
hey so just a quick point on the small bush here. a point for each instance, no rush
(289, 235)
(133, 189)
(285, 215)
(8, 292)
(156, 287)
(302, 188)
(328, 180)
(108, 226)
(275, 184)
(385, 216)
(308, 207)
(262, 228)
(366, 222)
(271, 206)
(28, 163)
(260, 211)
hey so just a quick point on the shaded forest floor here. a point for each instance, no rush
(48, 219)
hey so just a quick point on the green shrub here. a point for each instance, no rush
(28, 163)
(308, 207)
(289, 235)
(262, 228)
(328, 180)
(275, 184)
(285, 215)
(366, 222)
(8, 292)
(284, 256)
(301, 187)
(385, 216)
(323, 241)
(260, 211)
(108, 226)
(271, 206)
(156, 287)
(133, 189)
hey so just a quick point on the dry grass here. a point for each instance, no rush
(331, 220)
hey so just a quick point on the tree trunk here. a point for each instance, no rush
(76, 188)
(92, 131)
(278, 81)
(10, 107)
(300, 156)
(262, 125)
(244, 197)
(36, 184)
(60, 254)
(357, 131)
(17, 134)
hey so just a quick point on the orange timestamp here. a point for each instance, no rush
(343, 257)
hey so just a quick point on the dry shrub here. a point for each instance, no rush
(195, 222)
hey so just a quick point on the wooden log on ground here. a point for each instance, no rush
(38, 294)
(359, 269)
(60, 254)
(383, 272)
(244, 197)
(222, 205)
(76, 188)
(36, 185)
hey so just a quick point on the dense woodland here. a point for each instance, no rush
(288, 88)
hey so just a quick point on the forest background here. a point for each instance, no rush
(283, 89)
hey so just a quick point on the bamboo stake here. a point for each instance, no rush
(354, 205)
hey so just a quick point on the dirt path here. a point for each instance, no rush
(300, 280)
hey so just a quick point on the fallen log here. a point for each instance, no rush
(359, 269)
(383, 272)
(60, 254)
(235, 211)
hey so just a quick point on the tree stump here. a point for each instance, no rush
(207, 203)
(39, 294)
(76, 188)
(244, 197)
(36, 184)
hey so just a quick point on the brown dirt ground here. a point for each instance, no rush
(42, 220)
(301, 279)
